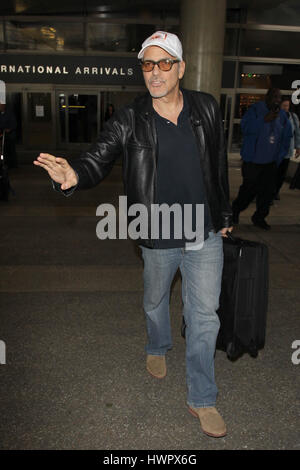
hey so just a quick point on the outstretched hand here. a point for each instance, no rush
(58, 169)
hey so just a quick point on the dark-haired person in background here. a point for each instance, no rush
(109, 112)
(267, 133)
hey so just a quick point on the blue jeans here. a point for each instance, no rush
(201, 272)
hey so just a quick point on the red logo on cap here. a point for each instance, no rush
(158, 36)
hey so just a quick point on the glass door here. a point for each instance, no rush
(78, 118)
(39, 126)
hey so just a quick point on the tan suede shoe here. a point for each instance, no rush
(211, 421)
(156, 366)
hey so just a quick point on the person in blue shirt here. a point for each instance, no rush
(267, 134)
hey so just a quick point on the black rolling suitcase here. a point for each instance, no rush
(243, 299)
(5, 187)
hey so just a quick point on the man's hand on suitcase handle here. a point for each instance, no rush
(225, 230)
(58, 169)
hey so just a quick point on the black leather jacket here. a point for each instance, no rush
(131, 132)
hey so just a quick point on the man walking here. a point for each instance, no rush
(266, 139)
(173, 152)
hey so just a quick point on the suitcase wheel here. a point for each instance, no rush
(234, 351)
(253, 350)
(231, 351)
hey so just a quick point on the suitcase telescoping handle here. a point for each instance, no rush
(231, 237)
(236, 241)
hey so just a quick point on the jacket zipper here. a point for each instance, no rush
(201, 144)
(152, 132)
(201, 147)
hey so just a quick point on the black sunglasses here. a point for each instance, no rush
(164, 64)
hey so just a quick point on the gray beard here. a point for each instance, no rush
(159, 96)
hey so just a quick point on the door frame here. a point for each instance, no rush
(229, 93)
(24, 89)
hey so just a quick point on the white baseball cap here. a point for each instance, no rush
(167, 41)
